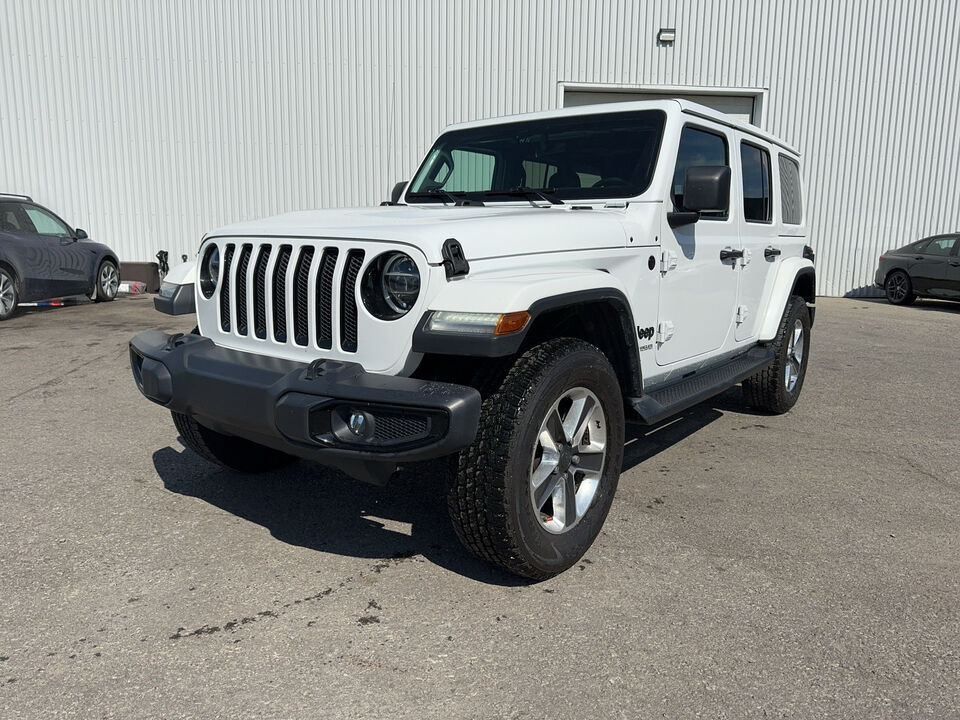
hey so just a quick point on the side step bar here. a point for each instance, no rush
(663, 402)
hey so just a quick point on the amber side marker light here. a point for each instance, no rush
(512, 322)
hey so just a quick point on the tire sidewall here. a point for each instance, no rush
(546, 551)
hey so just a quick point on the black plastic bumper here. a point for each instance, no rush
(306, 410)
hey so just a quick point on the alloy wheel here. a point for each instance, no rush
(568, 460)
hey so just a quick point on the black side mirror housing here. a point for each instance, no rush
(397, 192)
(706, 188)
(80, 234)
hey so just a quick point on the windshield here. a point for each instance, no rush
(610, 155)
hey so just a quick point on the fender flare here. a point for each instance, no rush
(789, 274)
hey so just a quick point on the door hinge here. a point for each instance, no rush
(745, 258)
(664, 331)
(742, 314)
(668, 261)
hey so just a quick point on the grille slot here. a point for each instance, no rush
(348, 301)
(241, 295)
(225, 289)
(301, 295)
(260, 292)
(328, 266)
(394, 428)
(280, 295)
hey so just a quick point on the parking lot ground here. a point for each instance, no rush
(800, 566)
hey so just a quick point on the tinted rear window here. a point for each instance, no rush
(790, 191)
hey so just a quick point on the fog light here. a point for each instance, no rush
(360, 424)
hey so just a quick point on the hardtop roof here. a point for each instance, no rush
(686, 106)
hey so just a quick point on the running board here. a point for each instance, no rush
(663, 402)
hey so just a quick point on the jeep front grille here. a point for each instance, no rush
(258, 277)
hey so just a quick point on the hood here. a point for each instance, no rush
(483, 231)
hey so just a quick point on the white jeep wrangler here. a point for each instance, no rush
(542, 280)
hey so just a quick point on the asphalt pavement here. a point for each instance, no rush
(801, 566)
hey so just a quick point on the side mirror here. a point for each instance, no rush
(706, 188)
(397, 192)
(80, 234)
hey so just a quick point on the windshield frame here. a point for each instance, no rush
(500, 198)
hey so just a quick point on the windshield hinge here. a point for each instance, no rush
(454, 262)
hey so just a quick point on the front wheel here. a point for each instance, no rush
(8, 295)
(776, 388)
(533, 490)
(108, 282)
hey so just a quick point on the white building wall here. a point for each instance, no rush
(147, 123)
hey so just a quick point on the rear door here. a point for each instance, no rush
(698, 289)
(757, 234)
(64, 263)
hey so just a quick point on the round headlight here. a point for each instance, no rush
(210, 271)
(391, 286)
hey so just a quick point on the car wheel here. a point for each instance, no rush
(232, 452)
(8, 295)
(108, 282)
(776, 388)
(899, 288)
(533, 490)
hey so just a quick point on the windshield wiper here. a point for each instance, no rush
(441, 193)
(528, 192)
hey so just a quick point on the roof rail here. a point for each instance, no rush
(22, 197)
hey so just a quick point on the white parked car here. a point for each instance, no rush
(542, 279)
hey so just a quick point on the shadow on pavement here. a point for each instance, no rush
(314, 507)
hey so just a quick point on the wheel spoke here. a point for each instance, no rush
(591, 462)
(568, 500)
(587, 413)
(554, 426)
(547, 489)
(577, 416)
(543, 470)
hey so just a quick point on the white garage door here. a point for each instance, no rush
(738, 106)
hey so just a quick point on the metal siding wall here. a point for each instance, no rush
(148, 123)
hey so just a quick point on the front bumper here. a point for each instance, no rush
(305, 410)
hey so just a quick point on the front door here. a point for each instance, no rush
(698, 289)
(65, 266)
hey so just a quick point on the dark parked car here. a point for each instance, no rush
(42, 257)
(926, 268)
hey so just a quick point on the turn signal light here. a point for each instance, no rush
(512, 322)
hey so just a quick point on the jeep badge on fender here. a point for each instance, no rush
(540, 280)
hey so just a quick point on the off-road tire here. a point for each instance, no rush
(895, 296)
(8, 284)
(767, 390)
(232, 452)
(489, 494)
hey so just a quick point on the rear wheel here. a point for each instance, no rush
(8, 295)
(532, 492)
(776, 388)
(899, 288)
(227, 450)
(108, 282)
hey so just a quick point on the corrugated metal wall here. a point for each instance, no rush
(148, 123)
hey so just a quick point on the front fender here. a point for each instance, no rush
(511, 291)
(504, 293)
(789, 271)
(177, 290)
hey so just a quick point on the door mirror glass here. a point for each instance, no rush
(706, 188)
(81, 234)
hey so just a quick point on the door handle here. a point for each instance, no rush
(730, 254)
(955, 263)
(771, 252)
